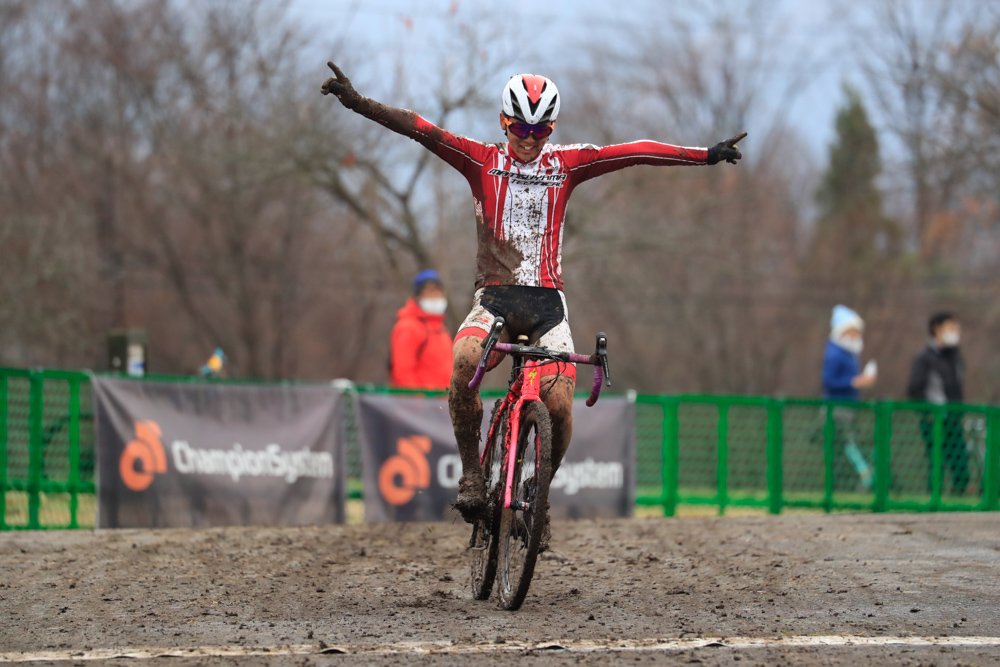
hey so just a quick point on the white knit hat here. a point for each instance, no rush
(843, 319)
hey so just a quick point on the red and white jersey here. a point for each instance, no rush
(521, 207)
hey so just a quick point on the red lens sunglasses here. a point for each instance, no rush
(523, 130)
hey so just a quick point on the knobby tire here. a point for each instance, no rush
(520, 532)
(484, 542)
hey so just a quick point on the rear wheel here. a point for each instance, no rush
(483, 543)
(522, 524)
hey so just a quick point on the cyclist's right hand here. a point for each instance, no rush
(341, 87)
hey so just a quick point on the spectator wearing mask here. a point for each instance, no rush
(842, 376)
(843, 380)
(936, 377)
(421, 354)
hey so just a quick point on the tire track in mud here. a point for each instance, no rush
(607, 582)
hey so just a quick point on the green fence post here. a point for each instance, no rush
(74, 450)
(722, 466)
(937, 459)
(883, 460)
(35, 454)
(991, 475)
(829, 433)
(671, 456)
(775, 473)
(3, 452)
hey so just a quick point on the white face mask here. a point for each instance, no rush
(435, 306)
(852, 345)
(950, 338)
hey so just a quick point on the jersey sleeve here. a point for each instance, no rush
(585, 161)
(464, 154)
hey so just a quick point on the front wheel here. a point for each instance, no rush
(522, 524)
(483, 543)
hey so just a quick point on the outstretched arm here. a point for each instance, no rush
(590, 161)
(455, 150)
(396, 119)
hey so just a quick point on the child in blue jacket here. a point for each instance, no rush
(843, 380)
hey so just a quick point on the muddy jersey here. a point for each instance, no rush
(521, 207)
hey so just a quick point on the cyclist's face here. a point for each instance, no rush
(526, 149)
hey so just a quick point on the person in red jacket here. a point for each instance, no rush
(421, 356)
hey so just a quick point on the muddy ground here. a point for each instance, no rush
(399, 593)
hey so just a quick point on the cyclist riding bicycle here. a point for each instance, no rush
(520, 189)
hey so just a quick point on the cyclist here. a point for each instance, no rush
(520, 189)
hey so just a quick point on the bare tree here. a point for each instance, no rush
(905, 51)
(379, 177)
(695, 266)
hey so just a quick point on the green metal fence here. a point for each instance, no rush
(720, 451)
(46, 450)
(776, 453)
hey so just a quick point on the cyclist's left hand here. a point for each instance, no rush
(726, 150)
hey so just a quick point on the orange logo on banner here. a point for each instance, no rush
(405, 472)
(148, 451)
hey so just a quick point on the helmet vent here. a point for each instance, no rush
(517, 108)
(548, 112)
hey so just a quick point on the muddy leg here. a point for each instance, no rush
(464, 404)
(466, 409)
(557, 392)
(558, 396)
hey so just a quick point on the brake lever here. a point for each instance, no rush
(493, 337)
(600, 361)
(488, 343)
(602, 353)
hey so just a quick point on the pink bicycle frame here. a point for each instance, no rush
(529, 383)
(526, 388)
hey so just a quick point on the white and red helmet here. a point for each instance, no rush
(531, 98)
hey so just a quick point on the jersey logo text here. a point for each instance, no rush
(548, 180)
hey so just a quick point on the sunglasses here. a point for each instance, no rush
(523, 130)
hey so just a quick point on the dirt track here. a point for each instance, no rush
(393, 592)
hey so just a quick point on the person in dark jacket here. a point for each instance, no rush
(421, 344)
(936, 377)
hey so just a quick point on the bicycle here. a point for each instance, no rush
(507, 535)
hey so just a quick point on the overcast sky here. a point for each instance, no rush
(553, 33)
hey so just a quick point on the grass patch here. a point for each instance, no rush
(53, 510)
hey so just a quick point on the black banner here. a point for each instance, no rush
(411, 464)
(180, 454)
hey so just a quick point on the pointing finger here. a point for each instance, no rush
(739, 137)
(336, 70)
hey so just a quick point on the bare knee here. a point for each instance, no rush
(464, 402)
(466, 353)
